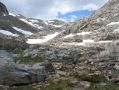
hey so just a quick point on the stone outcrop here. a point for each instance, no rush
(3, 10)
(19, 74)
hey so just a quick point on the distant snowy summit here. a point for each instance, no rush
(17, 25)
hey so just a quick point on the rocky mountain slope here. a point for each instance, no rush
(16, 28)
(100, 30)
(18, 25)
(57, 40)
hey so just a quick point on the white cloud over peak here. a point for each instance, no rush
(48, 9)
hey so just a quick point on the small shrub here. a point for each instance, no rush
(92, 78)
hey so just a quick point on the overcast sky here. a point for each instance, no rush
(49, 9)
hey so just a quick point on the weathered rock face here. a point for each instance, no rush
(16, 74)
(3, 10)
(3, 87)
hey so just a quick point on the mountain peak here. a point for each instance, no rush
(3, 10)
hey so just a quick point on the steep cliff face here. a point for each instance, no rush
(3, 10)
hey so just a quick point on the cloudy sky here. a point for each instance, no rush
(68, 10)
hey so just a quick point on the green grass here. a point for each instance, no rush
(29, 59)
(91, 78)
(61, 85)
(92, 48)
(104, 87)
(23, 88)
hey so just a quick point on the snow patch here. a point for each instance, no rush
(8, 33)
(37, 26)
(12, 14)
(45, 39)
(85, 42)
(113, 23)
(83, 33)
(72, 35)
(49, 23)
(101, 19)
(24, 20)
(88, 41)
(34, 21)
(108, 41)
(30, 23)
(46, 22)
(117, 30)
(23, 31)
(57, 26)
(4, 14)
(69, 36)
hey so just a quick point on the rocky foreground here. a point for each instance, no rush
(12, 73)
(83, 75)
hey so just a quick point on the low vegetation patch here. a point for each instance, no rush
(29, 59)
(91, 78)
(60, 85)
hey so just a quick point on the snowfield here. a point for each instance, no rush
(23, 31)
(108, 41)
(32, 23)
(8, 33)
(72, 35)
(45, 39)
(117, 30)
(88, 41)
(48, 23)
(83, 33)
(113, 23)
(69, 36)
(12, 14)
